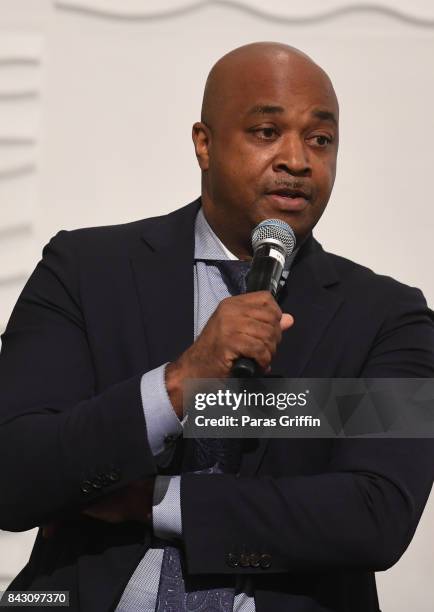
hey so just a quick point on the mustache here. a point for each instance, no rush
(295, 186)
(291, 184)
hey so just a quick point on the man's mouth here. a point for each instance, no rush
(289, 199)
(286, 192)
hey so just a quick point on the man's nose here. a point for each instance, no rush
(293, 156)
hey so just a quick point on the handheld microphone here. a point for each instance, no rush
(273, 241)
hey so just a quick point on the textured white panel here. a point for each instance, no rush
(133, 8)
(20, 112)
(17, 211)
(416, 11)
(20, 47)
(13, 241)
(9, 292)
(15, 156)
(18, 203)
(20, 82)
(14, 553)
(18, 78)
(19, 119)
(318, 9)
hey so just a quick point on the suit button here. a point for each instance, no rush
(244, 560)
(254, 559)
(114, 475)
(170, 439)
(265, 561)
(97, 482)
(232, 559)
(86, 486)
(103, 479)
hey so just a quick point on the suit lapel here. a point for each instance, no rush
(163, 271)
(308, 298)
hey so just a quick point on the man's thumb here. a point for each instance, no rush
(286, 321)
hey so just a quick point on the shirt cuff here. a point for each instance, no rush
(163, 426)
(166, 509)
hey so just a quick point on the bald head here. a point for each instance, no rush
(251, 65)
(267, 143)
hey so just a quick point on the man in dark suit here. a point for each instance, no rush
(103, 336)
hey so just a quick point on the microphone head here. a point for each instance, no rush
(274, 231)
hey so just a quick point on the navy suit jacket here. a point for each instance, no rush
(107, 304)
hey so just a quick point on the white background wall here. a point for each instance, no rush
(97, 98)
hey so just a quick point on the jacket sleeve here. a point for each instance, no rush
(62, 445)
(359, 514)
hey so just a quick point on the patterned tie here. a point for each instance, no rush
(234, 274)
(203, 455)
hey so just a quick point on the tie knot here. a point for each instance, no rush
(234, 272)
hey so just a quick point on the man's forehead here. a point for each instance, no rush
(277, 95)
(243, 80)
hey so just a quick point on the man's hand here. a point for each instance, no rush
(131, 503)
(248, 325)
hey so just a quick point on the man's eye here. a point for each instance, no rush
(265, 133)
(321, 140)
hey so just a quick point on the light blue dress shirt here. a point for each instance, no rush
(164, 427)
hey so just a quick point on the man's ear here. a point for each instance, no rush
(201, 135)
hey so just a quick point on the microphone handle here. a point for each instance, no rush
(243, 367)
(264, 275)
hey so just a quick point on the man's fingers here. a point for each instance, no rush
(265, 332)
(258, 304)
(286, 321)
(254, 349)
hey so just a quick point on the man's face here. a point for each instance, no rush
(271, 151)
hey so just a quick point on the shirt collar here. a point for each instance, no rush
(208, 245)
